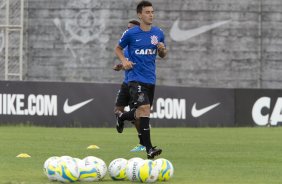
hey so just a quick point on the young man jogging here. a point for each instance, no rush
(144, 43)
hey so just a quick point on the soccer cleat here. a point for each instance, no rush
(120, 123)
(138, 148)
(153, 152)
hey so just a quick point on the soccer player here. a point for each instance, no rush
(144, 42)
(123, 96)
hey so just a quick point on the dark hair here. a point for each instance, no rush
(135, 22)
(141, 5)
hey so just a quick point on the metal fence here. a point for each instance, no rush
(11, 39)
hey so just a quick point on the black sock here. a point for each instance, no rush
(140, 139)
(130, 116)
(145, 132)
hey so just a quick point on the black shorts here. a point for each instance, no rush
(141, 93)
(123, 96)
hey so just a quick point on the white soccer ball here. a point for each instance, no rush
(99, 165)
(132, 168)
(67, 170)
(148, 172)
(117, 169)
(50, 166)
(165, 168)
(88, 172)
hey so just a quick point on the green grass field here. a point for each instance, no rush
(199, 155)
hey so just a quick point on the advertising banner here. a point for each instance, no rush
(258, 107)
(195, 107)
(92, 104)
(57, 104)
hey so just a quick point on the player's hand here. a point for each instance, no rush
(161, 47)
(127, 65)
(118, 67)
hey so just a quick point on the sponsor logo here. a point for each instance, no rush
(154, 40)
(134, 172)
(199, 112)
(71, 108)
(20, 104)
(181, 35)
(262, 115)
(169, 108)
(145, 51)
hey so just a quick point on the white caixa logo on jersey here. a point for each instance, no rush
(262, 115)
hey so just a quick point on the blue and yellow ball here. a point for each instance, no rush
(67, 170)
(117, 169)
(165, 168)
(148, 172)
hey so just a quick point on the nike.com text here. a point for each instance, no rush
(19, 104)
(170, 108)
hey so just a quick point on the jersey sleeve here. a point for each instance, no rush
(162, 38)
(124, 40)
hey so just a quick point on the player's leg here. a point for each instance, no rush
(119, 108)
(137, 126)
(140, 146)
(134, 98)
(153, 151)
(136, 123)
(122, 100)
(139, 94)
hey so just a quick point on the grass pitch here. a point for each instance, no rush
(199, 155)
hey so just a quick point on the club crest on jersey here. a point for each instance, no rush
(154, 40)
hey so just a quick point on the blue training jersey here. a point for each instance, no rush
(142, 50)
(125, 52)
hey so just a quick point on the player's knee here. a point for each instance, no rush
(119, 108)
(143, 111)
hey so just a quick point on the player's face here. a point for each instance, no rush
(147, 15)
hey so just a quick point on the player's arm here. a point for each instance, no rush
(126, 64)
(118, 67)
(162, 51)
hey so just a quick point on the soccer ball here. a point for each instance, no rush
(88, 172)
(148, 172)
(132, 168)
(67, 170)
(50, 166)
(117, 169)
(165, 168)
(99, 165)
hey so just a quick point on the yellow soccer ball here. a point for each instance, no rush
(117, 169)
(148, 172)
(165, 168)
